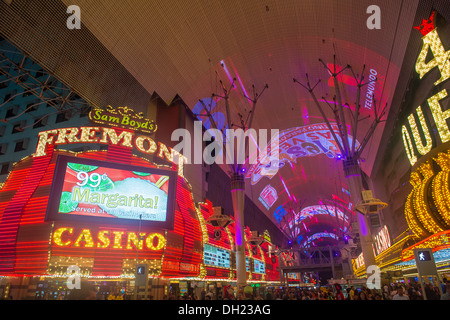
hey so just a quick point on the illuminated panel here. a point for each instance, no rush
(268, 196)
(279, 213)
(89, 189)
(216, 257)
(382, 241)
(306, 141)
(259, 266)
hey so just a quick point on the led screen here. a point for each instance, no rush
(90, 189)
(259, 266)
(216, 257)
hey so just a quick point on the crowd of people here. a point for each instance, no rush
(399, 291)
(393, 292)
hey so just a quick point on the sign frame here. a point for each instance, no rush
(57, 186)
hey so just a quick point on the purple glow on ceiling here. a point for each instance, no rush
(305, 115)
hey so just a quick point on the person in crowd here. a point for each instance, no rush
(400, 295)
(445, 293)
(269, 295)
(87, 292)
(352, 293)
(116, 295)
(339, 295)
(210, 294)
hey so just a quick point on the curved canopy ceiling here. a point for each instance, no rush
(190, 47)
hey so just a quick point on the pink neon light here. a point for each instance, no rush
(285, 188)
(305, 115)
(239, 80)
(227, 72)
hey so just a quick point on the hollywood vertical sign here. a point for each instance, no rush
(424, 143)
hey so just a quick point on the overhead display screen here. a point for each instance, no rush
(216, 257)
(259, 266)
(103, 191)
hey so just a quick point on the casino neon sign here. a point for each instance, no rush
(431, 42)
(108, 239)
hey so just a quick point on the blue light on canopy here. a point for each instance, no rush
(279, 213)
(218, 117)
(311, 211)
(319, 235)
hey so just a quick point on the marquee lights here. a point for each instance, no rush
(427, 207)
(431, 42)
(122, 117)
(437, 242)
(408, 146)
(440, 116)
(430, 190)
(126, 139)
(412, 123)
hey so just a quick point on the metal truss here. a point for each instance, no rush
(312, 258)
(18, 67)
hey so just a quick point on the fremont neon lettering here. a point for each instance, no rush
(104, 135)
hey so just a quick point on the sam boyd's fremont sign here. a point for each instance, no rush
(123, 117)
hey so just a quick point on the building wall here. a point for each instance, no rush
(24, 113)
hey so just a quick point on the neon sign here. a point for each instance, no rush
(104, 135)
(431, 42)
(216, 257)
(122, 117)
(307, 141)
(92, 189)
(108, 239)
(382, 241)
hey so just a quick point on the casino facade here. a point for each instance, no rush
(43, 232)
